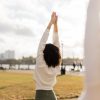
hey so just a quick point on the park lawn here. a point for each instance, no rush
(21, 86)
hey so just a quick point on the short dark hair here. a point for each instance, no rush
(52, 55)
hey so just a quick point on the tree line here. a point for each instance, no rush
(32, 61)
(23, 61)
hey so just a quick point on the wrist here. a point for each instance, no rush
(50, 23)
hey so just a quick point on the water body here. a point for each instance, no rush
(68, 67)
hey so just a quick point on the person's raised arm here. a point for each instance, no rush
(45, 35)
(55, 33)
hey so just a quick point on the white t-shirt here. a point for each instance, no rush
(45, 77)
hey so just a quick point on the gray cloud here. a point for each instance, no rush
(14, 22)
(21, 17)
(8, 29)
(16, 7)
(25, 31)
(5, 28)
(48, 4)
(19, 12)
(38, 12)
(2, 40)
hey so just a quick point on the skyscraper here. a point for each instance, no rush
(9, 54)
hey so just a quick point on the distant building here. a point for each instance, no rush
(9, 54)
(2, 56)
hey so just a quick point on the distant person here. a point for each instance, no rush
(48, 63)
(92, 52)
(63, 70)
(74, 65)
(80, 64)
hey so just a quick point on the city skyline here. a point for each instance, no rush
(22, 23)
(8, 54)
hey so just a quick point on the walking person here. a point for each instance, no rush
(47, 63)
(92, 52)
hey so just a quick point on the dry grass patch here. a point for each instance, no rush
(21, 86)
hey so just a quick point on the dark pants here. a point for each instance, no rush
(45, 95)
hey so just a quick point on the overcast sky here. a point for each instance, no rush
(22, 23)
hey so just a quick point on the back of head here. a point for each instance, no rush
(52, 55)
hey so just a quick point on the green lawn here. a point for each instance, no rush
(21, 86)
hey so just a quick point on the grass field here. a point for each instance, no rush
(21, 86)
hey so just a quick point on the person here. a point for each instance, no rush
(63, 70)
(92, 52)
(48, 63)
(74, 65)
(80, 65)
